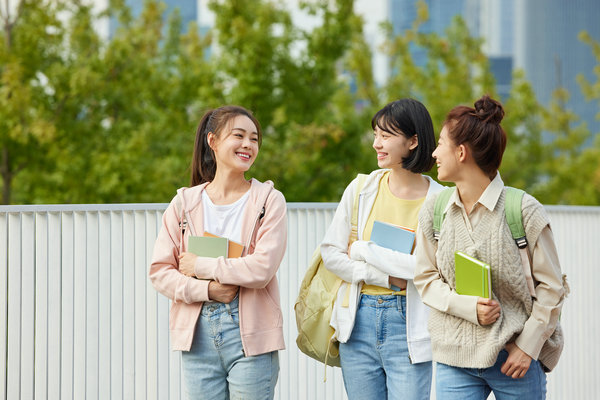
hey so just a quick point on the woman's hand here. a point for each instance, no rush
(187, 261)
(518, 362)
(222, 293)
(398, 282)
(488, 311)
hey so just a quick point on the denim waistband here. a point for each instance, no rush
(388, 300)
(214, 308)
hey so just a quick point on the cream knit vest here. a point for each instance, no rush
(456, 341)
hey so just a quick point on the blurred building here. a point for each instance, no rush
(493, 20)
(402, 14)
(547, 48)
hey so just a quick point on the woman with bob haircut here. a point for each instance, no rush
(378, 317)
(503, 344)
(225, 318)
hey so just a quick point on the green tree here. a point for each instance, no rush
(571, 166)
(30, 43)
(522, 163)
(124, 111)
(88, 120)
(292, 79)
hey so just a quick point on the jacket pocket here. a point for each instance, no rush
(183, 316)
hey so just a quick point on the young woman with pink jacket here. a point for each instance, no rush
(225, 315)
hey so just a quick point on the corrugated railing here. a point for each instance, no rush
(79, 318)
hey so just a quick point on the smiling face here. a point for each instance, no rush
(236, 147)
(392, 149)
(446, 157)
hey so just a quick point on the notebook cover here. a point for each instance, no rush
(472, 276)
(208, 246)
(393, 237)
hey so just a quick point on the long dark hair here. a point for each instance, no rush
(204, 165)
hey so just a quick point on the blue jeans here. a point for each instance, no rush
(453, 383)
(375, 361)
(215, 367)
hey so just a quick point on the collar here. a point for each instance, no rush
(489, 197)
(372, 183)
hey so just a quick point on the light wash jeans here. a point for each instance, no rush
(375, 361)
(453, 383)
(215, 368)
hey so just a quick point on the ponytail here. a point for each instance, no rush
(204, 165)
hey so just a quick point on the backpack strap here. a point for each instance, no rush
(514, 217)
(354, 219)
(439, 210)
(354, 228)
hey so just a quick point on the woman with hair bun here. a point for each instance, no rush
(225, 317)
(506, 343)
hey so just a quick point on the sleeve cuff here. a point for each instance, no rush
(197, 290)
(464, 307)
(355, 251)
(370, 275)
(532, 338)
(203, 267)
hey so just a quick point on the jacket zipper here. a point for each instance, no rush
(245, 253)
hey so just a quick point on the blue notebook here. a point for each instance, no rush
(393, 237)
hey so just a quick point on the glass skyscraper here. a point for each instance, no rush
(548, 49)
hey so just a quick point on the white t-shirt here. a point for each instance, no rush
(224, 220)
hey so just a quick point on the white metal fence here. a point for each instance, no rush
(79, 318)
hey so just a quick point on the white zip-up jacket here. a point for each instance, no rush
(372, 264)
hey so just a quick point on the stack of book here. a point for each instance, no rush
(214, 246)
(393, 237)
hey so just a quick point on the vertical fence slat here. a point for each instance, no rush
(27, 305)
(104, 306)
(80, 299)
(67, 314)
(140, 285)
(3, 302)
(154, 380)
(13, 368)
(54, 305)
(116, 305)
(41, 306)
(128, 305)
(92, 332)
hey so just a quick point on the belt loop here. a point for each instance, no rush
(228, 307)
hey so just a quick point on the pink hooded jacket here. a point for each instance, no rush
(264, 238)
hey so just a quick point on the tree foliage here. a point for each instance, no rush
(84, 120)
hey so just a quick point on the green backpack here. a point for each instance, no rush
(514, 218)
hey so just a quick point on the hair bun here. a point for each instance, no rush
(489, 110)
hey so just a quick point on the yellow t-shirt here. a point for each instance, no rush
(389, 208)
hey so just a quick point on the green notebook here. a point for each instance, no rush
(205, 246)
(472, 276)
